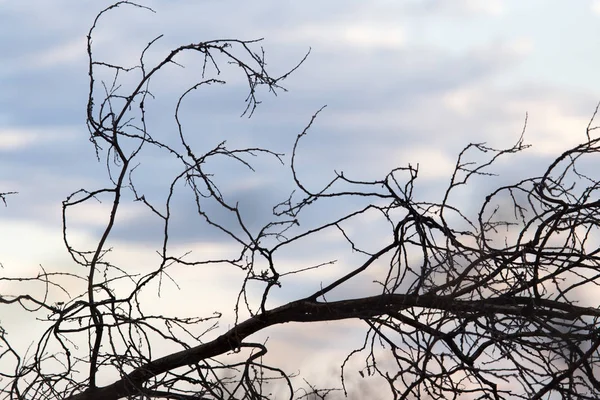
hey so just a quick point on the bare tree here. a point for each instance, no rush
(481, 305)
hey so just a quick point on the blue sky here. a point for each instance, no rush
(404, 82)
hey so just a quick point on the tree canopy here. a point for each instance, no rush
(487, 303)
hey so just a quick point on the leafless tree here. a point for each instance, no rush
(480, 305)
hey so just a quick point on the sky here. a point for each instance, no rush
(404, 82)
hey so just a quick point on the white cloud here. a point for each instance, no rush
(348, 34)
(490, 7)
(24, 245)
(462, 100)
(14, 139)
(461, 7)
(554, 124)
(65, 53)
(521, 46)
(553, 128)
(433, 161)
(95, 214)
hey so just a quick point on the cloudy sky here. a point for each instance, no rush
(404, 82)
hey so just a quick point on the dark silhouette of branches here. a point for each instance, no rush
(3, 196)
(482, 304)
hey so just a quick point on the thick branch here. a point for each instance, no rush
(312, 311)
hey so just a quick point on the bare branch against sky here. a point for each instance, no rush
(298, 201)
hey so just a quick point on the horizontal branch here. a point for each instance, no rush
(313, 311)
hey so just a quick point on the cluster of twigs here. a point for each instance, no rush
(483, 305)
